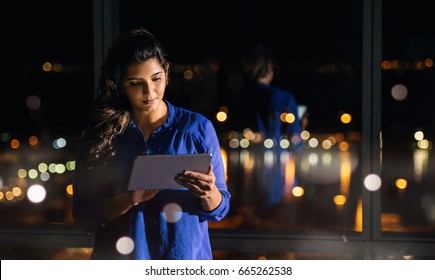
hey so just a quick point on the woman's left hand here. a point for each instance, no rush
(203, 185)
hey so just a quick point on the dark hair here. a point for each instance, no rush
(133, 46)
(257, 60)
(112, 109)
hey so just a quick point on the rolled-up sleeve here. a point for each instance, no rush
(221, 211)
(213, 147)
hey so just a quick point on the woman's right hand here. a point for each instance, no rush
(138, 196)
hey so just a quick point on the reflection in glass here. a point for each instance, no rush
(315, 189)
(408, 82)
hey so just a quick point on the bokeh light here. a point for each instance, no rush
(172, 212)
(372, 182)
(125, 245)
(36, 193)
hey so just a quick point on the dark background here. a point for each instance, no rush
(308, 37)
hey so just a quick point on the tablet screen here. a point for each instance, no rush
(159, 171)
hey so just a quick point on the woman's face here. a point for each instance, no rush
(144, 85)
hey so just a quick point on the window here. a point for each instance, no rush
(363, 69)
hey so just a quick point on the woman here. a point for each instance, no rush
(133, 118)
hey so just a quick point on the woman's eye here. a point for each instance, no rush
(134, 84)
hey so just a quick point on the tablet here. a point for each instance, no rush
(159, 171)
(302, 110)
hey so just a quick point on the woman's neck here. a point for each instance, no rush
(150, 121)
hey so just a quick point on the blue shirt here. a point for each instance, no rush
(172, 225)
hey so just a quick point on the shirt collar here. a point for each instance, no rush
(167, 123)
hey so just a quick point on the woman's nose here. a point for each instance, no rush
(145, 88)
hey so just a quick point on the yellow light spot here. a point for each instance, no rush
(343, 146)
(346, 118)
(221, 116)
(339, 199)
(290, 118)
(69, 190)
(298, 191)
(47, 67)
(401, 184)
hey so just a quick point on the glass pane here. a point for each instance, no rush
(318, 62)
(408, 84)
(47, 83)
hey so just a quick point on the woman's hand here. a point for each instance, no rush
(117, 205)
(142, 195)
(202, 185)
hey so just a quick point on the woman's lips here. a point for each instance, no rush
(149, 101)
